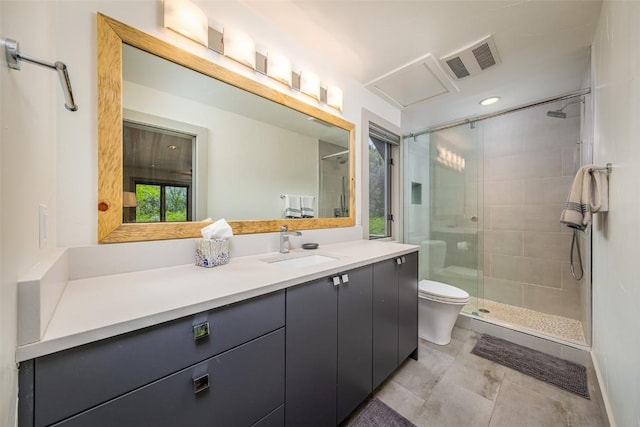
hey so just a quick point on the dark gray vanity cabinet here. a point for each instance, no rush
(312, 354)
(216, 366)
(408, 307)
(328, 369)
(385, 320)
(395, 314)
(355, 317)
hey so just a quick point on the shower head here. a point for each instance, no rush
(558, 114)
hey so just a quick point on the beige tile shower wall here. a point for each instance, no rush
(529, 162)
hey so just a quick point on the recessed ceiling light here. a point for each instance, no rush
(490, 100)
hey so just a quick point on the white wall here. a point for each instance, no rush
(616, 235)
(30, 108)
(49, 155)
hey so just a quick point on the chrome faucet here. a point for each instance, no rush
(284, 238)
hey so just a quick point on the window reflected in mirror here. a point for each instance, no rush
(158, 169)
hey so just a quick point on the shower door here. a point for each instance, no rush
(442, 209)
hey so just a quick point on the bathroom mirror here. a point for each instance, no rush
(238, 146)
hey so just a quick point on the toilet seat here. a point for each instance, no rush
(442, 292)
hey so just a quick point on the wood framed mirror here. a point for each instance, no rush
(117, 41)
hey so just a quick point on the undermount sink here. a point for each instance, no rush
(300, 262)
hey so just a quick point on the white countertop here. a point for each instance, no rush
(101, 307)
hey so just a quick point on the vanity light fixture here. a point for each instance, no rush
(489, 101)
(184, 17)
(279, 67)
(239, 47)
(310, 84)
(334, 97)
(187, 19)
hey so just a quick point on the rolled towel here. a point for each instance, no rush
(306, 203)
(292, 207)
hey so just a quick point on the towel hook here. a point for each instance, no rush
(14, 56)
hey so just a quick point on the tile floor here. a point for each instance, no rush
(451, 387)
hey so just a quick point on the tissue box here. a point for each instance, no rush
(212, 252)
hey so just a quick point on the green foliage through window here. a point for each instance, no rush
(379, 188)
(159, 202)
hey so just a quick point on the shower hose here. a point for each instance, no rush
(575, 243)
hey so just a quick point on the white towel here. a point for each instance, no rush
(306, 203)
(589, 194)
(292, 206)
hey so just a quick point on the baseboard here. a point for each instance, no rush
(603, 390)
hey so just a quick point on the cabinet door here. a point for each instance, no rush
(311, 366)
(385, 320)
(244, 385)
(408, 306)
(355, 311)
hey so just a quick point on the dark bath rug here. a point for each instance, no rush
(377, 414)
(567, 375)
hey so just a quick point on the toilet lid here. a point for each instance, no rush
(442, 291)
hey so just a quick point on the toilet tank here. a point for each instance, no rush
(432, 254)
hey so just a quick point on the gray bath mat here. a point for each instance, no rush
(377, 414)
(567, 375)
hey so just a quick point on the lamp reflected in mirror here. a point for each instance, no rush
(129, 203)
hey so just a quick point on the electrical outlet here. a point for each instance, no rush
(43, 222)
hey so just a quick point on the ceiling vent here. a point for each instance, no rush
(472, 59)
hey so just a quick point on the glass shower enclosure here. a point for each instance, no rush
(483, 202)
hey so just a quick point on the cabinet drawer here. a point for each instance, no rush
(73, 380)
(244, 386)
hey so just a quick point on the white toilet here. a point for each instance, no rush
(438, 307)
(438, 304)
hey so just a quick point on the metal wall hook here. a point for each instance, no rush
(14, 56)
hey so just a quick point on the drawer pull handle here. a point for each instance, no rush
(201, 383)
(336, 280)
(200, 331)
(345, 278)
(398, 261)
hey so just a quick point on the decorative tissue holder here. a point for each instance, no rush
(212, 252)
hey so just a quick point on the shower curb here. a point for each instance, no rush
(572, 352)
